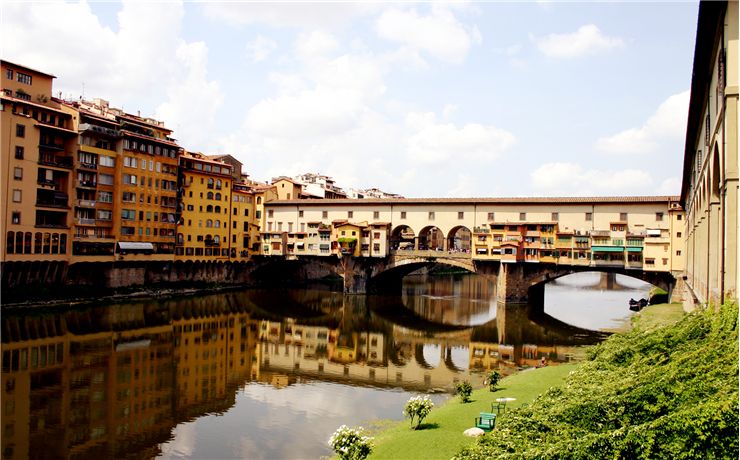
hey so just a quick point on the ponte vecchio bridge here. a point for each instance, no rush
(520, 243)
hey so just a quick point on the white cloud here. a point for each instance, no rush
(298, 13)
(315, 45)
(670, 186)
(573, 179)
(433, 142)
(439, 34)
(667, 123)
(586, 40)
(258, 49)
(192, 102)
(135, 67)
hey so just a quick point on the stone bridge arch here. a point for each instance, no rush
(431, 238)
(525, 283)
(403, 237)
(459, 239)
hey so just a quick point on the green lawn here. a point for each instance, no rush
(658, 315)
(441, 434)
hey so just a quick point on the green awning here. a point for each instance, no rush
(634, 249)
(607, 248)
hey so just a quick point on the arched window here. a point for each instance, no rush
(217, 223)
(210, 182)
(209, 195)
(37, 240)
(217, 209)
(218, 196)
(28, 244)
(216, 239)
(209, 208)
(259, 200)
(10, 242)
(218, 184)
(180, 238)
(55, 243)
(47, 243)
(209, 223)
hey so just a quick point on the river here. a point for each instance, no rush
(272, 373)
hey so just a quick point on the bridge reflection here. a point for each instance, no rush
(115, 380)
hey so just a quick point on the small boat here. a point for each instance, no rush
(637, 305)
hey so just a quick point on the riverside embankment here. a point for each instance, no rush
(667, 388)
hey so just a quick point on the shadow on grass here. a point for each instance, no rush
(428, 426)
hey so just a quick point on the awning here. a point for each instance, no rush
(127, 245)
(607, 248)
(634, 249)
(323, 246)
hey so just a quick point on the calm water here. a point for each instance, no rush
(270, 374)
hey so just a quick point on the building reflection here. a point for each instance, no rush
(114, 381)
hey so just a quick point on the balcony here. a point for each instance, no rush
(56, 161)
(481, 230)
(86, 183)
(86, 203)
(59, 201)
(50, 145)
(46, 182)
(212, 242)
(84, 221)
(92, 166)
(99, 130)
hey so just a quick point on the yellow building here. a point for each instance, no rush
(147, 171)
(709, 191)
(205, 223)
(37, 161)
(245, 231)
(286, 188)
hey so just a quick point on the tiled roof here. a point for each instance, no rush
(472, 201)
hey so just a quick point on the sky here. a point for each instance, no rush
(444, 99)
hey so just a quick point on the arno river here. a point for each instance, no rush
(271, 373)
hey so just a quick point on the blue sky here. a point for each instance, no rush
(423, 99)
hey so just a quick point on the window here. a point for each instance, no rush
(16, 196)
(431, 215)
(589, 217)
(324, 214)
(460, 215)
(129, 197)
(522, 216)
(403, 214)
(270, 213)
(18, 152)
(105, 215)
(20, 130)
(300, 213)
(130, 162)
(16, 218)
(659, 216)
(109, 162)
(23, 78)
(105, 179)
(678, 234)
(679, 217)
(678, 253)
(555, 217)
(17, 173)
(105, 197)
(128, 214)
(623, 216)
(491, 216)
(9, 74)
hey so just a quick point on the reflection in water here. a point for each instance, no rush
(225, 375)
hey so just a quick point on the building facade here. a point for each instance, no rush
(710, 174)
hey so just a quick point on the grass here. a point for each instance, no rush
(657, 315)
(441, 433)
(440, 436)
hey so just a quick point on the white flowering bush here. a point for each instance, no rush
(350, 444)
(418, 407)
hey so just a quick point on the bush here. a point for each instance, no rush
(350, 444)
(668, 392)
(464, 389)
(418, 407)
(492, 380)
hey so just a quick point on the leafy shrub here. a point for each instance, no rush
(418, 407)
(350, 444)
(492, 380)
(464, 389)
(668, 392)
